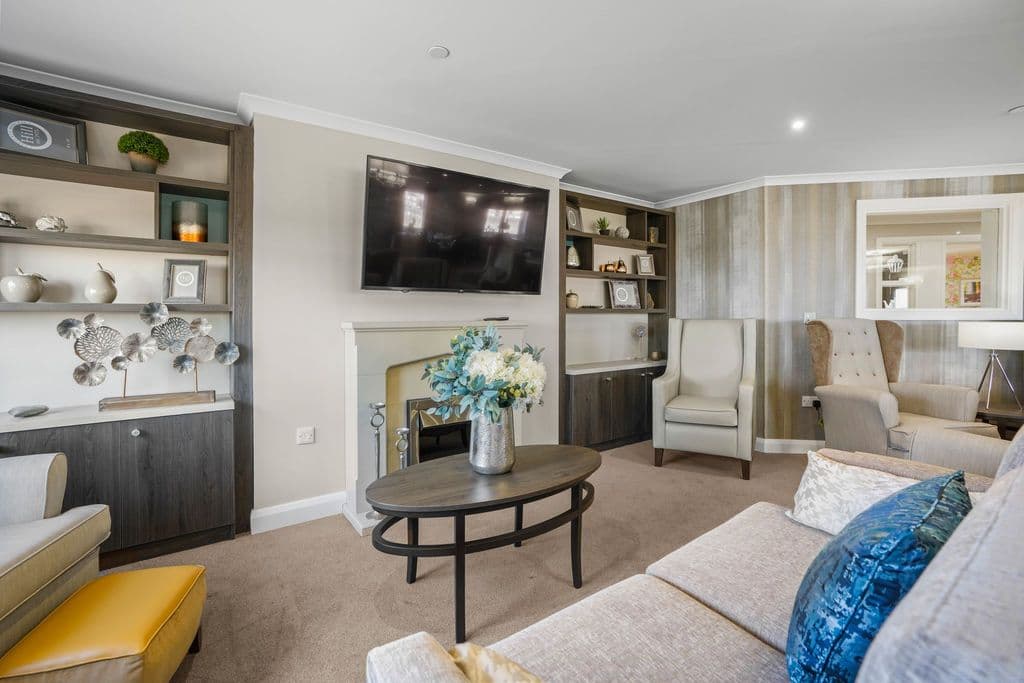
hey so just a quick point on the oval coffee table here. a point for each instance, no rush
(448, 487)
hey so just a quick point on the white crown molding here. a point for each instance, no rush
(46, 78)
(844, 177)
(792, 446)
(249, 105)
(296, 512)
(569, 187)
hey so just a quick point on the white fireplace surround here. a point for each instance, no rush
(370, 348)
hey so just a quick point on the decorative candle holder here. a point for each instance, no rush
(188, 220)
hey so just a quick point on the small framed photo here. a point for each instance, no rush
(645, 264)
(41, 134)
(970, 292)
(624, 294)
(573, 219)
(184, 281)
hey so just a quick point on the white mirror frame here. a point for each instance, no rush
(1011, 255)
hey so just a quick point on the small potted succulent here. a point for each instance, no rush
(145, 151)
(602, 226)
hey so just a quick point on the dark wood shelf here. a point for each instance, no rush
(598, 275)
(85, 307)
(634, 311)
(610, 241)
(56, 169)
(71, 239)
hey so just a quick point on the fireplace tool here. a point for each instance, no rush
(403, 446)
(376, 422)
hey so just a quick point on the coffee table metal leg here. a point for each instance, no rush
(414, 539)
(519, 522)
(576, 533)
(460, 578)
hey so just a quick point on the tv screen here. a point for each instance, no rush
(432, 229)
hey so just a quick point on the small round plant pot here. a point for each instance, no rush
(142, 162)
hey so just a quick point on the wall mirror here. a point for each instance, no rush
(941, 258)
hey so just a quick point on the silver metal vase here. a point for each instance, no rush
(492, 445)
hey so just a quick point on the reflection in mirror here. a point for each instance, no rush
(933, 260)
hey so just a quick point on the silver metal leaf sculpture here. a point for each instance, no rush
(90, 374)
(120, 363)
(201, 348)
(98, 343)
(184, 364)
(172, 335)
(138, 347)
(226, 353)
(154, 313)
(71, 328)
(201, 326)
(93, 320)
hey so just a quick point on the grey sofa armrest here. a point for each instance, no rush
(32, 487)
(418, 657)
(936, 400)
(857, 418)
(959, 450)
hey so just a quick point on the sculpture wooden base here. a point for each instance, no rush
(181, 398)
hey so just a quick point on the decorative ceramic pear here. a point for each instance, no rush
(99, 288)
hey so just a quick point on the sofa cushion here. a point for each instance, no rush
(748, 569)
(712, 358)
(864, 571)
(35, 553)
(901, 467)
(702, 410)
(962, 621)
(641, 629)
(1014, 456)
(901, 437)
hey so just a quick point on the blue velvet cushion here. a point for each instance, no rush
(863, 572)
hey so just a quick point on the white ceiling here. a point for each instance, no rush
(648, 99)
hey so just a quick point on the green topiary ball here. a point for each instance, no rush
(144, 143)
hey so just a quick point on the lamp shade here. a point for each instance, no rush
(998, 336)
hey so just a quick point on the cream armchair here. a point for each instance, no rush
(864, 405)
(45, 555)
(704, 402)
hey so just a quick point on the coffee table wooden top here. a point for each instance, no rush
(448, 485)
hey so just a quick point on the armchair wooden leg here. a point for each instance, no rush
(659, 456)
(745, 469)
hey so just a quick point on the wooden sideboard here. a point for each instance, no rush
(169, 480)
(610, 408)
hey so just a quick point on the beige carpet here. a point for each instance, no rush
(306, 603)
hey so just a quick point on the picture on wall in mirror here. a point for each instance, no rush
(963, 275)
(185, 281)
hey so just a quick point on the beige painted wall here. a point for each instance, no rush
(777, 252)
(307, 241)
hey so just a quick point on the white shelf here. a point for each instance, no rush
(67, 416)
(611, 366)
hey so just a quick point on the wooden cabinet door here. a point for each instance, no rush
(627, 404)
(177, 475)
(588, 401)
(92, 453)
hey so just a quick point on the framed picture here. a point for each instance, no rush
(184, 281)
(624, 294)
(573, 219)
(645, 264)
(970, 292)
(41, 134)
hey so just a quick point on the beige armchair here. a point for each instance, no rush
(704, 402)
(45, 555)
(864, 405)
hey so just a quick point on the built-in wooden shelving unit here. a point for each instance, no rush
(49, 307)
(116, 242)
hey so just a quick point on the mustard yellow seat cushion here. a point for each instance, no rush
(132, 626)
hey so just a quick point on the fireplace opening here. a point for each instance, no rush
(430, 436)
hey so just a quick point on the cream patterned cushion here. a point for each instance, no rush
(832, 493)
(482, 665)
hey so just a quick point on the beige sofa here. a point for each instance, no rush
(718, 609)
(45, 555)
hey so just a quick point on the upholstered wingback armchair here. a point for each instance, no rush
(704, 402)
(45, 555)
(864, 404)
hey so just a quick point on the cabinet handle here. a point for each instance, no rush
(135, 432)
(607, 379)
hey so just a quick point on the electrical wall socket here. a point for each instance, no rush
(807, 401)
(305, 435)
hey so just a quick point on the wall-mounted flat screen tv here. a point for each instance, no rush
(433, 229)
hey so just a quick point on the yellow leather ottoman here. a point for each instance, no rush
(133, 626)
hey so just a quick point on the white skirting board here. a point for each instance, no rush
(296, 512)
(787, 445)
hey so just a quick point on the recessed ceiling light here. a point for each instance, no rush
(798, 124)
(1019, 109)
(438, 51)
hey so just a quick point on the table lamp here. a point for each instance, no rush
(993, 336)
